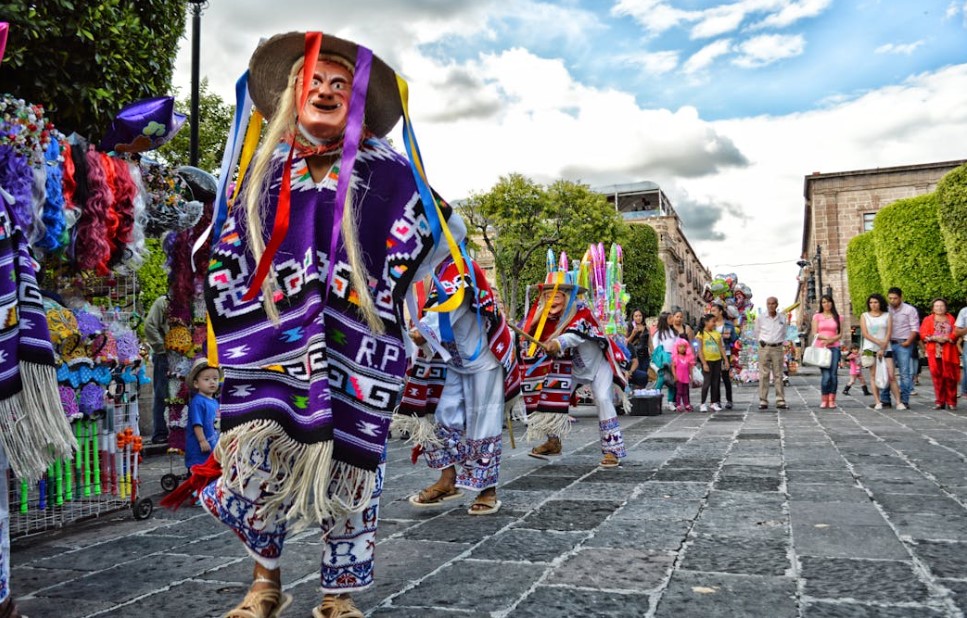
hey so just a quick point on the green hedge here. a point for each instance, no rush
(952, 199)
(862, 271)
(911, 253)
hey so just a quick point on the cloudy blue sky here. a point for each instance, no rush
(726, 104)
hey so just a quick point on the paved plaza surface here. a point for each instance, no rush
(800, 513)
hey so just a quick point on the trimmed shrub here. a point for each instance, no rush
(861, 271)
(911, 253)
(952, 203)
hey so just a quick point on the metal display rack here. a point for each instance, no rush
(102, 477)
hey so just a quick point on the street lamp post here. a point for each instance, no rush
(196, 8)
(819, 270)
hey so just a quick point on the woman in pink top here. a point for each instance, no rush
(827, 326)
(937, 333)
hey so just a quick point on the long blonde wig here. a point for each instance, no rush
(258, 206)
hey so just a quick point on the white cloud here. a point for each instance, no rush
(899, 48)
(768, 48)
(658, 16)
(793, 12)
(703, 58)
(656, 63)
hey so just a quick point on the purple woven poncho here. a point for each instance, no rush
(33, 430)
(319, 388)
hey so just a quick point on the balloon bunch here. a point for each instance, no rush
(736, 296)
(605, 281)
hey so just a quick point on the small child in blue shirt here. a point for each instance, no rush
(201, 435)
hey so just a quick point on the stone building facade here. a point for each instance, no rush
(644, 203)
(841, 205)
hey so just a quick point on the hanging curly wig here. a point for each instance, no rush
(138, 248)
(124, 193)
(180, 287)
(111, 219)
(53, 213)
(17, 179)
(92, 227)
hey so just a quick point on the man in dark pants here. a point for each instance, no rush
(903, 343)
(155, 329)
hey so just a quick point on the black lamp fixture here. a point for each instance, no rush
(196, 8)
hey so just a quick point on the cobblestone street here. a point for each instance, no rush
(807, 512)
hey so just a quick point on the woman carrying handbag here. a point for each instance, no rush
(828, 328)
(877, 325)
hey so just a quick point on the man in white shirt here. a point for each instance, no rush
(770, 332)
(903, 341)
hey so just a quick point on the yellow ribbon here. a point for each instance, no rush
(454, 301)
(252, 134)
(547, 310)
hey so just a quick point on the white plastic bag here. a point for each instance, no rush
(697, 377)
(882, 377)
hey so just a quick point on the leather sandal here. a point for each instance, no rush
(255, 602)
(8, 609)
(551, 447)
(610, 460)
(434, 495)
(336, 606)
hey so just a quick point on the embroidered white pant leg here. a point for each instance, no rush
(484, 403)
(263, 535)
(450, 422)
(4, 530)
(603, 390)
(349, 544)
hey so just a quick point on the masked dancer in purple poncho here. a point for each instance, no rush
(304, 293)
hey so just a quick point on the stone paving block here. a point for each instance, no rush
(46, 606)
(739, 555)
(27, 580)
(616, 569)
(838, 513)
(459, 527)
(682, 490)
(845, 541)
(567, 515)
(939, 505)
(565, 602)
(447, 588)
(426, 612)
(719, 595)
(943, 559)
(696, 475)
(534, 482)
(225, 544)
(402, 509)
(629, 472)
(566, 470)
(770, 461)
(693, 462)
(28, 553)
(199, 525)
(597, 491)
(297, 562)
(825, 476)
(828, 609)
(650, 535)
(920, 488)
(748, 483)
(138, 578)
(879, 581)
(812, 492)
(528, 545)
(659, 508)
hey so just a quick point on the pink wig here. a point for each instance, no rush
(93, 248)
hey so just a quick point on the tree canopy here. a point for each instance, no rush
(518, 220)
(861, 271)
(644, 273)
(215, 122)
(952, 198)
(83, 61)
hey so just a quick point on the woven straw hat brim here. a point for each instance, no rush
(197, 367)
(269, 71)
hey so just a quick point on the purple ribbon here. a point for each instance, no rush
(354, 130)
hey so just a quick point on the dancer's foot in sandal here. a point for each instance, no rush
(265, 598)
(486, 503)
(444, 489)
(336, 606)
